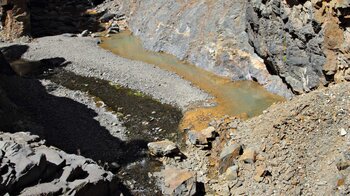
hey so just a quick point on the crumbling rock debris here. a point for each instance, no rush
(294, 148)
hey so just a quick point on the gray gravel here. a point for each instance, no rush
(90, 60)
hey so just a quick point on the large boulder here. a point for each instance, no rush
(179, 182)
(31, 168)
(163, 148)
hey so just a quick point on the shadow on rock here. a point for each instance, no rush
(62, 122)
(14, 52)
(22, 67)
(69, 125)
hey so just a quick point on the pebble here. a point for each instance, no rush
(342, 132)
(248, 156)
(231, 173)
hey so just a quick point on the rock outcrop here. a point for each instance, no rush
(28, 167)
(289, 45)
(304, 42)
(15, 18)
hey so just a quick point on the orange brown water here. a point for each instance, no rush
(242, 98)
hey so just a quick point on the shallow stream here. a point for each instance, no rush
(243, 98)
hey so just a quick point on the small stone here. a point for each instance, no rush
(84, 33)
(231, 173)
(179, 182)
(145, 123)
(114, 167)
(260, 173)
(163, 148)
(248, 156)
(228, 156)
(342, 132)
(232, 150)
(260, 157)
(209, 132)
(107, 17)
(343, 165)
(340, 180)
(197, 138)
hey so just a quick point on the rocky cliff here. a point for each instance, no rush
(287, 46)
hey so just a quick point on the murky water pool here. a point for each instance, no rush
(242, 98)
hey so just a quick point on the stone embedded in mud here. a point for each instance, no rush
(179, 182)
(163, 148)
(248, 156)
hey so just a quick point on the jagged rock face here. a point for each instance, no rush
(210, 34)
(290, 39)
(31, 168)
(15, 18)
(302, 43)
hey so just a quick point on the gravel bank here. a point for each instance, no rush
(88, 59)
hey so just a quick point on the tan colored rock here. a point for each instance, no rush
(179, 182)
(202, 137)
(260, 157)
(260, 173)
(248, 156)
(163, 148)
(209, 132)
(197, 138)
(228, 156)
(231, 173)
(342, 165)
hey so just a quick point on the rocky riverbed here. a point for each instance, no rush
(76, 119)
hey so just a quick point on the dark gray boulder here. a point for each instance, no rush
(28, 167)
